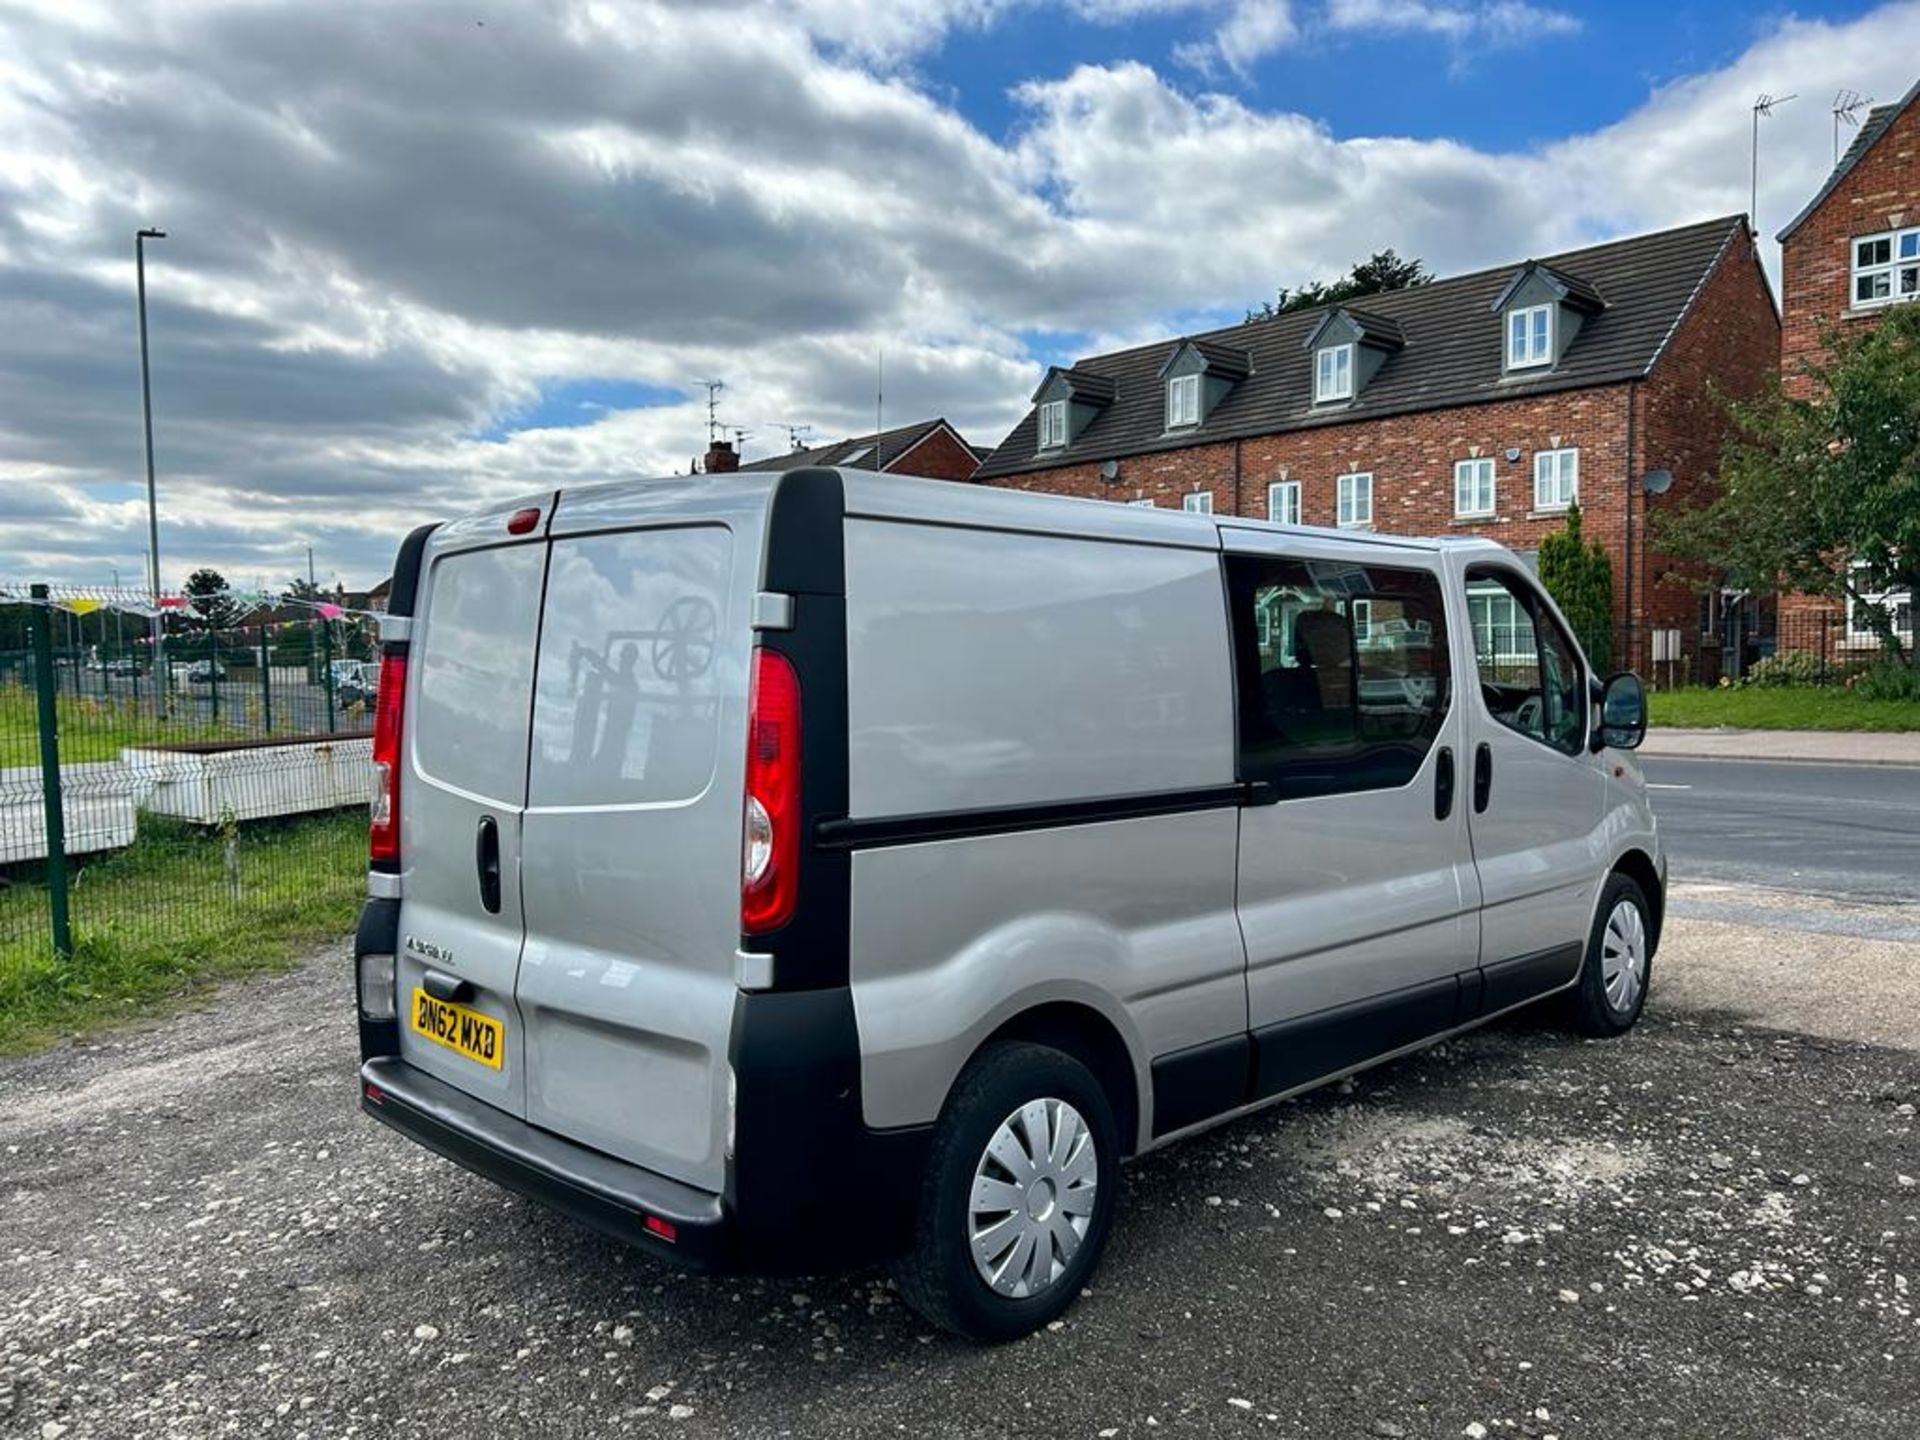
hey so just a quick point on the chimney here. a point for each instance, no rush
(720, 458)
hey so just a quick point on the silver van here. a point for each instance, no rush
(794, 871)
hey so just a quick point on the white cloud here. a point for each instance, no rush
(1491, 22)
(391, 226)
(1251, 31)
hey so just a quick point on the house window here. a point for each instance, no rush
(1898, 605)
(1355, 501)
(1283, 502)
(1473, 487)
(1053, 424)
(1556, 479)
(1529, 336)
(1886, 268)
(1200, 502)
(1183, 401)
(1333, 373)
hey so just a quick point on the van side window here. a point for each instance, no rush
(1529, 671)
(1342, 669)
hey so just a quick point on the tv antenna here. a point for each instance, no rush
(797, 435)
(740, 437)
(1761, 106)
(1847, 106)
(714, 387)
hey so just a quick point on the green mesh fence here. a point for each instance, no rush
(213, 777)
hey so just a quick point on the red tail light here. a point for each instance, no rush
(770, 839)
(383, 834)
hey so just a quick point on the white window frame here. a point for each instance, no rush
(1348, 493)
(1183, 402)
(1053, 424)
(1468, 476)
(1894, 600)
(1555, 468)
(1197, 502)
(1900, 271)
(1287, 512)
(1526, 348)
(1333, 373)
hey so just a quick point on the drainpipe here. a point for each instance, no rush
(1236, 478)
(1632, 657)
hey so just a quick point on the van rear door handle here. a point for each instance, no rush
(1482, 777)
(486, 860)
(1443, 783)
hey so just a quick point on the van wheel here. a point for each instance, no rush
(1613, 982)
(1018, 1195)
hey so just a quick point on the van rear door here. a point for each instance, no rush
(462, 794)
(631, 865)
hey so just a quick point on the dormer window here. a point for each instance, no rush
(1333, 373)
(1183, 401)
(1053, 424)
(1530, 336)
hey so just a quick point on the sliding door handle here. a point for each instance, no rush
(1482, 777)
(1443, 783)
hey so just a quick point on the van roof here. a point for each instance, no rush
(950, 502)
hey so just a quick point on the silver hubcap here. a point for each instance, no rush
(1623, 956)
(1032, 1197)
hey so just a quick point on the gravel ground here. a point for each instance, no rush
(1707, 1228)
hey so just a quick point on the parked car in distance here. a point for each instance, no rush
(205, 672)
(356, 682)
(786, 871)
(123, 667)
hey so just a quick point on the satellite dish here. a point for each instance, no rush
(1109, 470)
(1657, 482)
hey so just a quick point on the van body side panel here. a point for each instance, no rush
(990, 669)
(470, 671)
(632, 842)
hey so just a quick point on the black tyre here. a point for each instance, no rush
(1619, 964)
(1018, 1196)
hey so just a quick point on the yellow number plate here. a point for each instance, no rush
(463, 1031)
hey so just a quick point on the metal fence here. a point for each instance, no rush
(175, 786)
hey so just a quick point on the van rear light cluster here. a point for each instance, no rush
(378, 998)
(770, 832)
(383, 831)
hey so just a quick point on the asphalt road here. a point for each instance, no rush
(1706, 1228)
(1850, 831)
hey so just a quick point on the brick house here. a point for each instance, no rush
(1845, 259)
(1476, 404)
(929, 447)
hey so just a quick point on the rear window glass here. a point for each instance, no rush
(476, 670)
(633, 666)
(1343, 672)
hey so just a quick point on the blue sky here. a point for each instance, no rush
(416, 264)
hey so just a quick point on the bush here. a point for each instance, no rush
(1789, 667)
(1888, 681)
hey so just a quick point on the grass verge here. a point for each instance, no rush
(155, 923)
(1786, 707)
(95, 727)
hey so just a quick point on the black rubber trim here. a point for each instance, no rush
(405, 594)
(610, 1195)
(842, 833)
(1312, 1047)
(378, 933)
(805, 557)
(801, 1146)
(1200, 1082)
(1527, 977)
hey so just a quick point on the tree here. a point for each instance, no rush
(212, 603)
(1382, 272)
(1579, 576)
(1820, 491)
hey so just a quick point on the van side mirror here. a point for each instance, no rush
(1623, 713)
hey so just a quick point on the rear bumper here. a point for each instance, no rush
(612, 1196)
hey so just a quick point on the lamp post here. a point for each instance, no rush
(140, 239)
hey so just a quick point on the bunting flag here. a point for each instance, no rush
(329, 611)
(81, 605)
